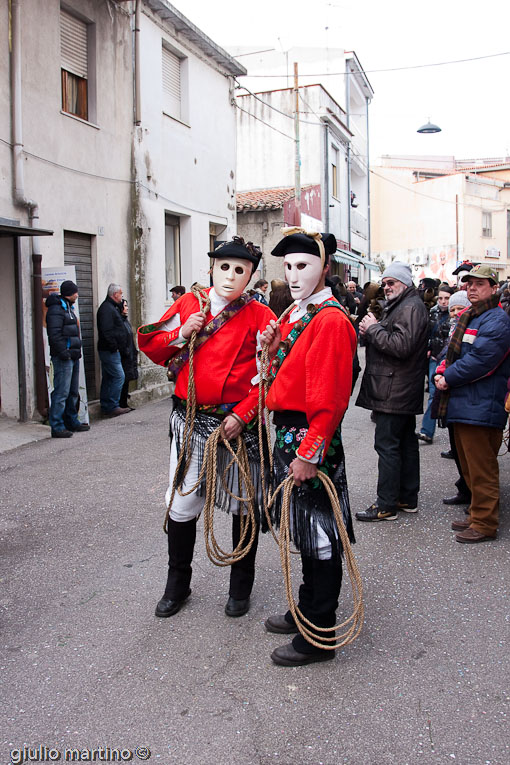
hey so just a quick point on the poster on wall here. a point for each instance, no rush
(52, 278)
(442, 261)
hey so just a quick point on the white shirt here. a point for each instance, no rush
(301, 305)
(217, 305)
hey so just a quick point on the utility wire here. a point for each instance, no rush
(275, 109)
(141, 185)
(264, 123)
(390, 69)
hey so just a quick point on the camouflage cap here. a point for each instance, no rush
(482, 272)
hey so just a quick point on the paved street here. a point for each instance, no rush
(85, 663)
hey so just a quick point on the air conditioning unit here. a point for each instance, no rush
(421, 260)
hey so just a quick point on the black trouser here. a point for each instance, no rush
(124, 395)
(460, 483)
(242, 573)
(318, 597)
(181, 544)
(396, 444)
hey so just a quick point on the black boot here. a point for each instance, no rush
(181, 543)
(242, 573)
(318, 598)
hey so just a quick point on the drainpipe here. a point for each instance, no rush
(32, 207)
(138, 12)
(326, 176)
(368, 188)
(348, 113)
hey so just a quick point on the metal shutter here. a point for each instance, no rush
(78, 253)
(171, 74)
(73, 44)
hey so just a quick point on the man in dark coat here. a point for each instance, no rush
(111, 344)
(392, 386)
(65, 350)
(474, 385)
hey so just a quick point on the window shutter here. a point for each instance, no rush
(73, 44)
(171, 73)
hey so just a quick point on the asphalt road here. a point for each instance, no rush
(86, 664)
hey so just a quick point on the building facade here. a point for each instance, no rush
(117, 134)
(333, 146)
(435, 212)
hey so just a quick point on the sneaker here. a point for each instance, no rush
(374, 513)
(407, 508)
(426, 439)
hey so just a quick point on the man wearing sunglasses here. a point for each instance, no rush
(392, 387)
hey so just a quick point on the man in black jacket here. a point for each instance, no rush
(65, 350)
(392, 386)
(111, 344)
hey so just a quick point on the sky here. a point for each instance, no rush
(470, 101)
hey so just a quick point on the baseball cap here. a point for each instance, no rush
(482, 272)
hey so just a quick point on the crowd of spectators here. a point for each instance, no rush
(459, 341)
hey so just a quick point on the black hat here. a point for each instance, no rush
(238, 248)
(466, 265)
(304, 243)
(68, 288)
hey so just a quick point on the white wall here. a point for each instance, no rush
(187, 168)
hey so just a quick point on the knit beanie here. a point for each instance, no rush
(68, 288)
(459, 298)
(400, 271)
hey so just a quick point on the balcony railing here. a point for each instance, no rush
(359, 224)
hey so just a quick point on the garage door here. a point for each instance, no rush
(78, 253)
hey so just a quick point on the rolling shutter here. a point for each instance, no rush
(171, 75)
(73, 45)
(78, 253)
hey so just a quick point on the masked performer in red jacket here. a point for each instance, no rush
(309, 394)
(225, 364)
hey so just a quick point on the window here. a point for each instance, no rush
(486, 223)
(171, 76)
(334, 172)
(74, 65)
(172, 253)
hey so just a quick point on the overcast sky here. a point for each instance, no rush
(469, 101)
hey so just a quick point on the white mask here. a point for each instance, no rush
(230, 277)
(303, 273)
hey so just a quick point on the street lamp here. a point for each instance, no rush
(429, 128)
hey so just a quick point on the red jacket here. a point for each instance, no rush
(316, 378)
(224, 365)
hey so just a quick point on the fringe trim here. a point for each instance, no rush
(204, 425)
(311, 508)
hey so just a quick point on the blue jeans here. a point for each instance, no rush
(65, 394)
(112, 380)
(428, 425)
(396, 443)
